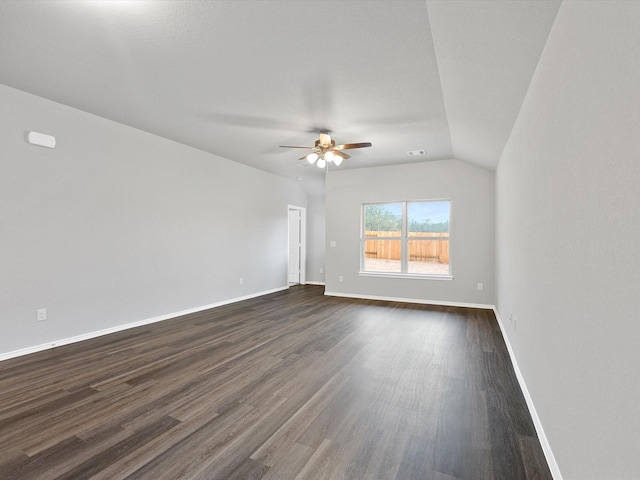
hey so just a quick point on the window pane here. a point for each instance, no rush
(428, 257)
(428, 219)
(382, 256)
(383, 220)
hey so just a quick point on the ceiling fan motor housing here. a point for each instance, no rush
(325, 146)
(325, 140)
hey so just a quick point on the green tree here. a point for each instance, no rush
(380, 219)
(428, 226)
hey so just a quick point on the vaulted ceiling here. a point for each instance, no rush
(238, 78)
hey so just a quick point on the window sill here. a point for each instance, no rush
(413, 276)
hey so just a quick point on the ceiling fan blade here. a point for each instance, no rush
(295, 146)
(348, 146)
(343, 155)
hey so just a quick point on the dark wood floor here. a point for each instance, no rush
(293, 385)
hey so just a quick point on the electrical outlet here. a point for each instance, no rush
(41, 314)
(321, 270)
(241, 280)
(340, 278)
(480, 287)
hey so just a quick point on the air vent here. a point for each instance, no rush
(416, 153)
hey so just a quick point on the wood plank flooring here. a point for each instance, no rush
(293, 385)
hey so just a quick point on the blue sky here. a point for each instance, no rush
(437, 212)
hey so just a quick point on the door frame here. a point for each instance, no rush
(303, 242)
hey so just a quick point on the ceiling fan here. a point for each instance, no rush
(325, 150)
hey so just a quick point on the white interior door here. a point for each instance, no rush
(294, 246)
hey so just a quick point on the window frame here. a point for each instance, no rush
(404, 243)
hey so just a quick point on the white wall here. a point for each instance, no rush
(316, 220)
(471, 190)
(116, 225)
(568, 240)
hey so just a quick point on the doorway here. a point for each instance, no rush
(297, 245)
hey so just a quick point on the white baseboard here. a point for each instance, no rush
(139, 323)
(546, 448)
(542, 437)
(410, 300)
(544, 442)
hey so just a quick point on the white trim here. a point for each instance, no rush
(542, 437)
(544, 442)
(414, 276)
(139, 323)
(404, 236)
(410, 300)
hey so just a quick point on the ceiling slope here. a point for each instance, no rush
(487, 54)
(237, 79)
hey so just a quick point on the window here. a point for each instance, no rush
(406, 238)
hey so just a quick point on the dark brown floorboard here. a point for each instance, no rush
(293, 385)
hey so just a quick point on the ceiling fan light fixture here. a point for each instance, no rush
(330, 156)
(312, 157)
(321, 162)
(337, 159)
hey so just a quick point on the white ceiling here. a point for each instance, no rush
(238, 78)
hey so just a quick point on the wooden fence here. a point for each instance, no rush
(436, 250)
